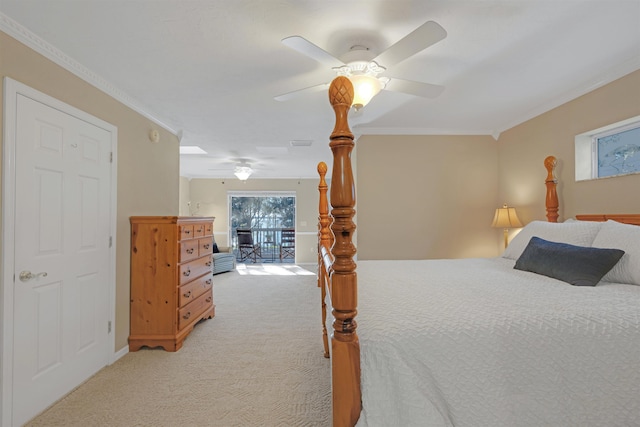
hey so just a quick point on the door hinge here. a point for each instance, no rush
(109, 327)
(110, 241)
(111, 157)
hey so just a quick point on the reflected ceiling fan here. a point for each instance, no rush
(363, 67)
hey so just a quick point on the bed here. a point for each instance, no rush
(524, 339)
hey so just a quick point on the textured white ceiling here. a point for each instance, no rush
(209, 69)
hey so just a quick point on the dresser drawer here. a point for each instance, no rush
(208, 229)
(189, 250)
(194, 309)
(193, 290)
(186, 231)
(198, 230)
(205, 246)
(196, 268)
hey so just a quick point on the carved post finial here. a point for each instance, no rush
(341, 98)
(551, 201)
(550, 164)
(322, 170)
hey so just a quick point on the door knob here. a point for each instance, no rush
(25, 276)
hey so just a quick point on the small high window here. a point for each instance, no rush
(618, 151)
(610, 151)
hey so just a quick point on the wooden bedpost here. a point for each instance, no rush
(551, 202)
(345, 348)
(324, 220)
(325, 239)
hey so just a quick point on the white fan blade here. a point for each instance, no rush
(299, 92)
(424, 90)
(421, 38)
(309, 49)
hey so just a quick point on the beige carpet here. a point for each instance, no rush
(257, 363)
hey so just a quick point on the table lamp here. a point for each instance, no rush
(506, 218)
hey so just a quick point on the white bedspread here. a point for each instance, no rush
(475, 343)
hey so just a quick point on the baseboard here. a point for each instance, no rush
(120, 353)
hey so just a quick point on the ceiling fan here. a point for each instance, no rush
(363, 67)
(241, 167)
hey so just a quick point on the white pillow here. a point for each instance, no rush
(578, 233)
(616, 235)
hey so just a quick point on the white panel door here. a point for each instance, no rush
(62, 255)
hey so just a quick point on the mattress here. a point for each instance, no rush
(474, 342)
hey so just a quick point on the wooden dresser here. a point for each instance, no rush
(171, 279)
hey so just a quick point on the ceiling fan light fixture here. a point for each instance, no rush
(243, 172)
(365, 87)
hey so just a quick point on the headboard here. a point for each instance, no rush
(624, 218)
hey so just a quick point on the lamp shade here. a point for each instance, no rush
(243, 172)
(365, 87)
(506, 217)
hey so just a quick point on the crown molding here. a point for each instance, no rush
(31, 40)
(364, 130)
(615, 73)
(621, 70)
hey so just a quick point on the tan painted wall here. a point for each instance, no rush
(212, 196)
(522, 151)
(147, 173)
(422, 197)
(184, 197)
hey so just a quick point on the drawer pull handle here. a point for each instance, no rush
(190, 251)
(186, 316)
(187, 231)
(208, 282)
(187, 295)
(186, 273)
(209, 299)
(206, 246)
(208, 264)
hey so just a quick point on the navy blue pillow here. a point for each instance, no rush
(215, 248)
(578, 265)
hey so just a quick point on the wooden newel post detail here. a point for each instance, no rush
(344, 296)
(551, 201)
(324, 221)
(325, 239)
